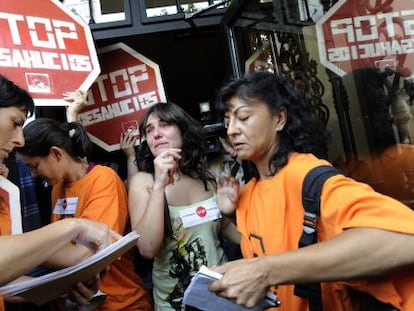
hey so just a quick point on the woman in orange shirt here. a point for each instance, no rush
(57, 152)
(363, 235)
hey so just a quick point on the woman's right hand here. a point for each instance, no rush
(92, 234)
(228, 189)
(165, 165)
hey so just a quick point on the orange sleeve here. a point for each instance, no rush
(358, 205)
(107, 202)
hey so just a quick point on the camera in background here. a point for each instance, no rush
(212, 128)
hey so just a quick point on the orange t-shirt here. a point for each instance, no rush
(101, 196)
(270, 220)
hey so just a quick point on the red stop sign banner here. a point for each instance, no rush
(358, 34)
(128, 85)
(46, 49)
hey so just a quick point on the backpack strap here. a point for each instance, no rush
(311, 201)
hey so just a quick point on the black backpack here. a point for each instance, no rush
(311, 200)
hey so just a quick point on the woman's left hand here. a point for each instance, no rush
(82, 293)
(127, 143)
(228, 189)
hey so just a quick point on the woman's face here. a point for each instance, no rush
(161, 135)
(46, 167)
(252, 129)
(11, 130)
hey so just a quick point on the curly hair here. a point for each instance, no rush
(194, 153)
(304, 131)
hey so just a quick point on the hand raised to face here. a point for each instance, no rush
(165, 165)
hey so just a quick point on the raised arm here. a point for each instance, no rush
(146, 209)
(76, 101)
(146, 201)
(228, 190)
(127, 142)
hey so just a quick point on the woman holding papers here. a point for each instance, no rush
(57, 152)
(173, 205)
(20, 253)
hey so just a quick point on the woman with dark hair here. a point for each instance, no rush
(57, 152)
(362, 234)
(172, 203)
(22, 252)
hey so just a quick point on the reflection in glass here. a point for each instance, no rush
(112, 6)
(263, 57)
(102, 11)
(170, 7)
(388, 163)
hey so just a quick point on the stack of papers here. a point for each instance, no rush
(51, 286)
(197, 295)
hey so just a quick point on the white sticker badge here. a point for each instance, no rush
(196, 215)
(66, 206)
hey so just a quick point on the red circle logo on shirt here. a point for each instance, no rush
(201, 211)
